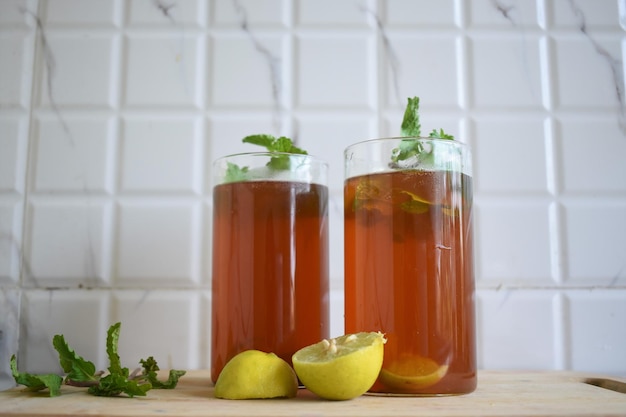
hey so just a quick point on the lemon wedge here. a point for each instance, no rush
(341, 368)
(412, 373)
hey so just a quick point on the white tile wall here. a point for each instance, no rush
(111, 113)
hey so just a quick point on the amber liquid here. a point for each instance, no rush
(270, 268)
(409, 273)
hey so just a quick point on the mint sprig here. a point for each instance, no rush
(76, 368)
(36, 382)
(280, 161)
(82, 373)
(412, 149)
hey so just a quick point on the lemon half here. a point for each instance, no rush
(256, 374)
(341, 368)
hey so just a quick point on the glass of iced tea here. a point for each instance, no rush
(270, 255)
(409, 269)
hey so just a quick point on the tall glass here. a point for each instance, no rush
(270, 255)
(409, 268)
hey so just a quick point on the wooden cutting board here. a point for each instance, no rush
(498, 394)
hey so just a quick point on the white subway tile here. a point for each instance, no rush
(587, 69)
(420, 14)
(513, 243)
(157, 244)
(591, 155)
(160, 154)
(517, 330)
(164, 70)
(596, 330)
(10, 242)
(590, 13)
(252, 14)
(16, 48)
(595, 241)
(334, 71)
(519, 15)
(327, 135)
(73, 13)
(345, 14)
(9, 330)
(82, 59)
(249, 71)
(67, 242)
(74, 160)
(423, 64)
(227, 131)
(174, 16)
(80, 316)
(13, 143)
(510, 155)
(161, 324)
(513, 80)
(336, 313)
(16, 14)
(204, 332)
(335, 235)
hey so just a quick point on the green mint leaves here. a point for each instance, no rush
(82, 373)
(235, 173)
(150, 369)
(411, 120)
(36, 382)
(76, 368)
(280, 146)
(275, 145)
(411, 149)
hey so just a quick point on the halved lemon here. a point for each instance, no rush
(256, 374)
(412, 373)
(341, 368)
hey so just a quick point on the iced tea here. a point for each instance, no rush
(270, 268)
(409, 273)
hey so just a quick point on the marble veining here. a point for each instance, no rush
(273, 62)
(614, 63)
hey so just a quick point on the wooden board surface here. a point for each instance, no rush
(498, 394)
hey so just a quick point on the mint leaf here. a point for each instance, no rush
(116, 384)
(411, 121)
(273, 145)
(440, 135)
(261, 139)
(412, 149)
(76, 368)
(235, 173)
(113, 336)
(117, 381)
(150, 368)
(82, 373)
(36, 382)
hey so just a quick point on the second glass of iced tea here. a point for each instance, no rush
(409, 268)
(270, 255)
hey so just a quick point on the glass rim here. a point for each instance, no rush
(420, 138)
(270, 154)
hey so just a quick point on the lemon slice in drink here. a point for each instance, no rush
(412, 373)
(256, 374)
(341, 368)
